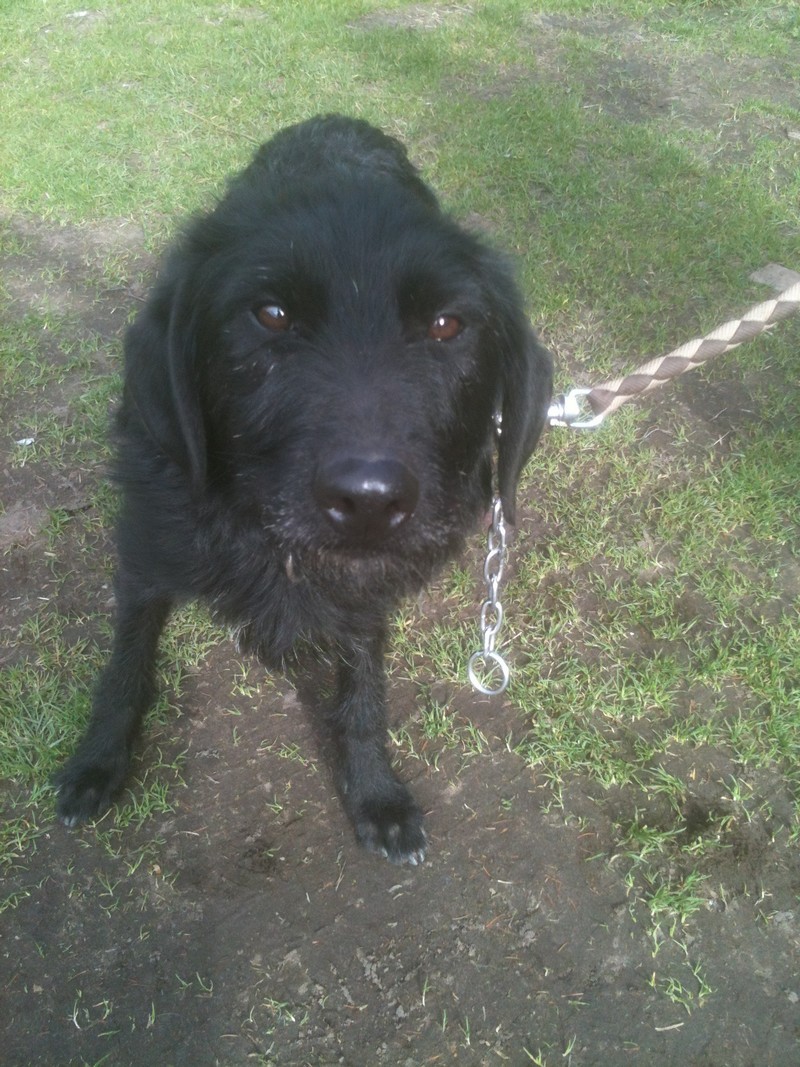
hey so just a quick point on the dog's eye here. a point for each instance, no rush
(273, 317)
(445, 328)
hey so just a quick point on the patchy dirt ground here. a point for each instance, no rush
(244, 926)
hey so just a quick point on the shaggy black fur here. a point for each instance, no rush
(306, 435)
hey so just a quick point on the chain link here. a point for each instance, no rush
(488, 671)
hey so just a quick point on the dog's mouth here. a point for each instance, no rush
(395, 567)
(349, 560)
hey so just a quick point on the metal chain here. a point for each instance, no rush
(488, 671)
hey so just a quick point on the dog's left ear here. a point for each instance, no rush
(526, 386)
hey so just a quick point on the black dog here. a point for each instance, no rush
(306, 434)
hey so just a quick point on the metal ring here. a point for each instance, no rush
(496, 661)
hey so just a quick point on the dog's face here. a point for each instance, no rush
(335, 351)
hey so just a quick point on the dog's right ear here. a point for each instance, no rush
(526, 388)
(163, 381)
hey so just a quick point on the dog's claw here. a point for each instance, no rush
(86, 788)
(393, 831)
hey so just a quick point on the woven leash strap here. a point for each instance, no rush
(605, 398)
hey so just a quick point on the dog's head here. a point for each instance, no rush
(327, 350)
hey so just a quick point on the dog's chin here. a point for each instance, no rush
(367, 570)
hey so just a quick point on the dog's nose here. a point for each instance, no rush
(365, 500)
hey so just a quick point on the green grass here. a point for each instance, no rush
(654, 617)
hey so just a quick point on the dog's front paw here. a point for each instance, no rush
(392, 828)
(87, 788)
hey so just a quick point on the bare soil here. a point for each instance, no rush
(245, 926)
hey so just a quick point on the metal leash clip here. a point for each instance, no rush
(567, 410)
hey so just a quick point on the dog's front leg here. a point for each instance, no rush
(89, 781)
(383, 813)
